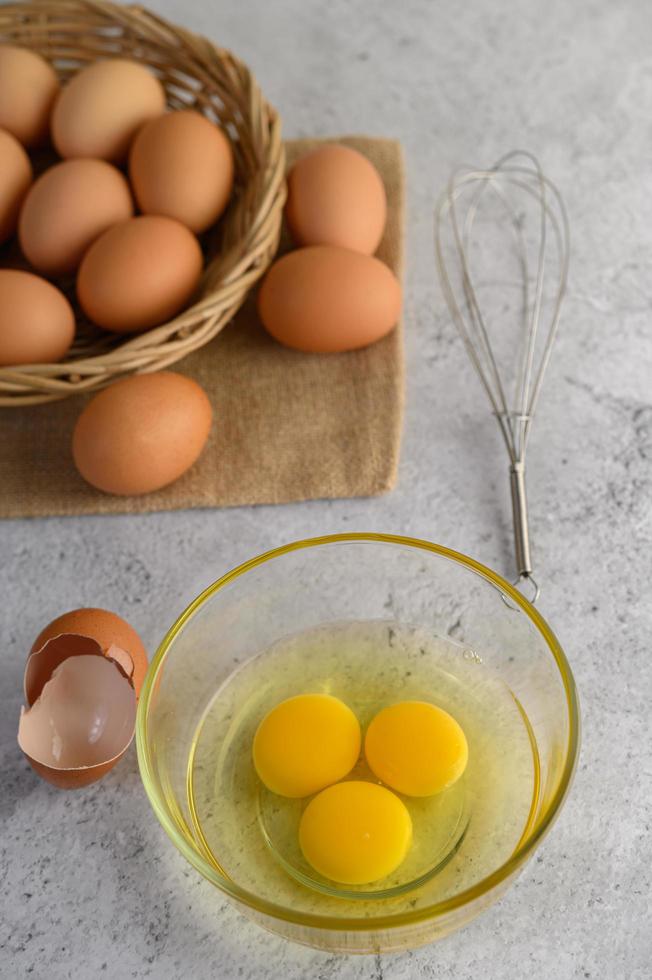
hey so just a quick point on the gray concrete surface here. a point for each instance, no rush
(89, 884)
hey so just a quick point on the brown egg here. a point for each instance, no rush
(82, 721)
(102, 107)
(324, 299)
(336, 197)
(28, 88)
(141, 433)
(139, 273)
(15, 179)
(67, 208)
(181, 165)
(106, 628)
(37, 324)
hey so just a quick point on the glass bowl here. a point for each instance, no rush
(321, 582)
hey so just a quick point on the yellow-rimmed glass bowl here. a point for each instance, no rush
(327, 581)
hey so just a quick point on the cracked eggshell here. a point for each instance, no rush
(43, 662)
(107, 628)
(82, 722)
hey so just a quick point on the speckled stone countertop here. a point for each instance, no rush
(89, 884)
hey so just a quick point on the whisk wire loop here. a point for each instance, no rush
(515, 183)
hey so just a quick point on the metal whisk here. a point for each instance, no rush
(517, 187)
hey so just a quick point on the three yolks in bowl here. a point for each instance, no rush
(354, 831)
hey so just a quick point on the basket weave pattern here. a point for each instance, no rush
(195, 74)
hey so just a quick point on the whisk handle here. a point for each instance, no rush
(519, 514)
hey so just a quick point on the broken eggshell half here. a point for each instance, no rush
(81, 712)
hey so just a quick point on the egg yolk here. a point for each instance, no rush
(416, 748)
(355, 832)
(305, 744)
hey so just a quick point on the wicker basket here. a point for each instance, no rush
(197, 74)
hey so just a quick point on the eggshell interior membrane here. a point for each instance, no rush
(85, 715)
(122, 659)
(42, 664)
(107, 628)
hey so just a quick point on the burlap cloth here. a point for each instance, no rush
(287, 426)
